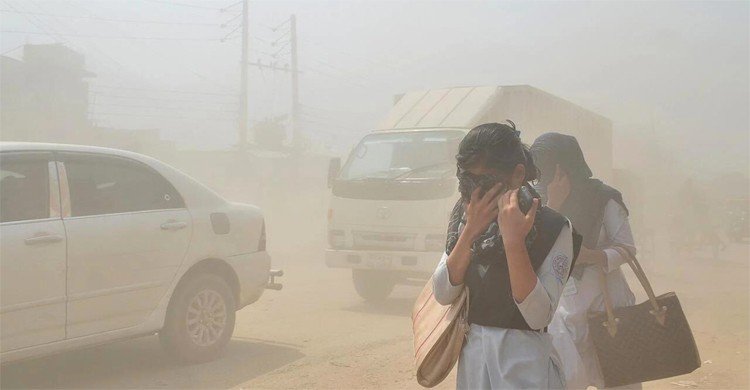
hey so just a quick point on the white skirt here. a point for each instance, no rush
(497, 358)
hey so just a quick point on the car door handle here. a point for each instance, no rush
(48, 238)
(173, 225)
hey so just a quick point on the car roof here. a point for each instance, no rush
(50, 147)
(178, 178)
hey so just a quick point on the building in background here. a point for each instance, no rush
(45, 95)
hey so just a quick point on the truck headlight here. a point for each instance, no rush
(434, 242)
(336, 239)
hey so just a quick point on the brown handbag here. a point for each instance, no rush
(439, 332)
(645, 342)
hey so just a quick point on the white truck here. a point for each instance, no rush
(392, 197)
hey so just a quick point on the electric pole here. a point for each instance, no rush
(243, 75)
(296, 141)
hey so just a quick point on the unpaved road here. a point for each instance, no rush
(316, 333)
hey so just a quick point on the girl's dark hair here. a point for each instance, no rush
(498, 146)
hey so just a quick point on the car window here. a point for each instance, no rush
(107, 185)
(24, 188)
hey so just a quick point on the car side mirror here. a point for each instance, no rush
(334, 168)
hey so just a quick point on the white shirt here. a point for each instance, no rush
(615, 230)
(501, 358)
(569, 327)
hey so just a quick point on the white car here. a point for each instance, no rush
(98, 245)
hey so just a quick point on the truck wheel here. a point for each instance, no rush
(373, 285)
(200, 319)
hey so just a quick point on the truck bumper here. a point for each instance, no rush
(423, 263)
(252, 273)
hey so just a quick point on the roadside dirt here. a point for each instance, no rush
(317, 333)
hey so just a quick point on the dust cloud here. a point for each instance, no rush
(657, 93)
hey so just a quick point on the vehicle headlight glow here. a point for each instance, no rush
(336, 239)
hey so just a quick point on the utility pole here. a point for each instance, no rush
(296, 141)
(243, 75)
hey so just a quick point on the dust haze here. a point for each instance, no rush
(657, 93)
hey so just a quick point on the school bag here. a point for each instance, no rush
(645, 342)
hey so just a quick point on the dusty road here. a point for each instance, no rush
(317, 333)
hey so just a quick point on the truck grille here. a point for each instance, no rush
(384, 241)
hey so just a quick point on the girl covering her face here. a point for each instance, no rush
(515, 278)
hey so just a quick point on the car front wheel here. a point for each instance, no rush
(200, 319)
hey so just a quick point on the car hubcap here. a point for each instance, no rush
(206, 318)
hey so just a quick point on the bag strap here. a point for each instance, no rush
(658, 312)
(611, 323)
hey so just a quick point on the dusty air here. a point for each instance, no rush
(235, 194)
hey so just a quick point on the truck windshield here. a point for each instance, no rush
(417, 154)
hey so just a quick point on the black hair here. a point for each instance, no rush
(497, 146)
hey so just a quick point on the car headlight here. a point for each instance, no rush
(336, 239)
(434, 242)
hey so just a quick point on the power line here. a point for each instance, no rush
(177, 4)
(117, 28)
(13, 49)
(287, 20)
(230, 6)
(160, 108)
(178, 117)
(380, 63)
(111, 37)
(165, 90)
(342, 71)
(272, 66)
(109, 19)
(38, 24)
(339, 78)
(57, 35)
(226, 23)
(108, 96)
(237, 27)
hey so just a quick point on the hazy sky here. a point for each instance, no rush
(674, 71)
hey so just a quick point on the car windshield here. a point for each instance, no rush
(419, 154)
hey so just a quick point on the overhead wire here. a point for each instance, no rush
(162, 108)
(112, 37)
(176, 100)
(230, 6)
(201, 76)
(166, 90)
(178, 4)
(13, 49)
(108, 19)
(352, 55)
(178, 117)
(226, 22)
(231, 32)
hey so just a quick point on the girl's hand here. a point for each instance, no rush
(558, 189)
(481, 211)
(514, 225)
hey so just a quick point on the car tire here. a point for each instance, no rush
(200, 319)
(372, 285)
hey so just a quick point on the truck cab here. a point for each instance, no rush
(389, 207)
